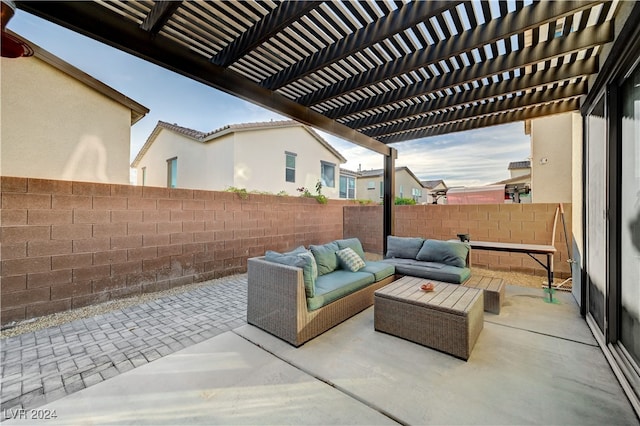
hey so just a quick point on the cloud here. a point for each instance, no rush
(470, 158)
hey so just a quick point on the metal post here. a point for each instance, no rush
(389, 196)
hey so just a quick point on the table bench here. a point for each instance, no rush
(493, 289)
(529, 249)
(449, 318)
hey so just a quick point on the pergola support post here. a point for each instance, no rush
(389, 196)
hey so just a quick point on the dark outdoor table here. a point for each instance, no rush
(529, 249)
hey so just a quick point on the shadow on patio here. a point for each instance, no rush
(535, 363)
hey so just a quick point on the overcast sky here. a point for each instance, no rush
(476, 157)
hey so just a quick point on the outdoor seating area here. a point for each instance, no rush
(300, 294)
(523, 370)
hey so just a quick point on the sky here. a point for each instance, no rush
(471, 158)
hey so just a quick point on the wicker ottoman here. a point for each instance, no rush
(448, 319)
(493, 289)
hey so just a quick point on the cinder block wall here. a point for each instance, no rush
(67, 244)
(515, 223)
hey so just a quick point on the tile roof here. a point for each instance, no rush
(517, 179)
(224, 130)
(430, 184)
(380, 172)
(520, 164)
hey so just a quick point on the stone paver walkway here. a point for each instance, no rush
(45, 365)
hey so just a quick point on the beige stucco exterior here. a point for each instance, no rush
(57, 127)
(249, 158)
(518, 172)
(552, 139)
(368, 186)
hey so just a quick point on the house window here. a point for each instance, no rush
(401, 191)
(290, 167)
(371, 185)
(144, 176)
(416, 193)
(347, 187)
(328, 174)
(382, 189)
(172, 172)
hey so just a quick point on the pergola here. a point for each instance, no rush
(371, 72)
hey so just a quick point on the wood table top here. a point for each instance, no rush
(446, 297)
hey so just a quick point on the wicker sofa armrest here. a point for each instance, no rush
(276, 298)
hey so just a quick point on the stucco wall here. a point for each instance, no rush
(55, 127)
(253, 160)
(200, 166)
(551, 164)
(260, 161)
(402, 179)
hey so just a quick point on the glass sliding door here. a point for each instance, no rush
(596, 203)
(629, 327)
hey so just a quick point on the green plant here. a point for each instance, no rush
(304, 192)
(405, 201)
(242, 192)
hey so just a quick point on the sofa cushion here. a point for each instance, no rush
(397, 261)
(353, 243)
(301, 259)
(380, 270)
(447, 252)
(430, 270)
(403, 247)
(339, 283)
(325, 256)
(350, 260)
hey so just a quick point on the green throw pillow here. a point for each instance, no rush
(350, 260)
(325, 257)
(353, 243)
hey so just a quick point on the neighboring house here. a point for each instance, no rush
(273, 157)
(436, 191)
(517, 188)
(369, 185)
(519, 168)
(348, 184)
(553, 140)
(60, 123)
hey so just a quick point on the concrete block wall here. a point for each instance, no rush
(65, 245)
(516, 223)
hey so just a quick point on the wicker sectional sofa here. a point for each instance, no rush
(285, 299)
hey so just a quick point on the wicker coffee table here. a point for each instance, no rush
(448, 319)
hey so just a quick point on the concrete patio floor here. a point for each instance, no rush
(535, 363)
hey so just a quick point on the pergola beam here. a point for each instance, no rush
(160, 13)
(505, 87)
(281, 17)
(494, 30)
(97, 22)
(399, 20)
(574, 42)
(492, 120)
(531, 99)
